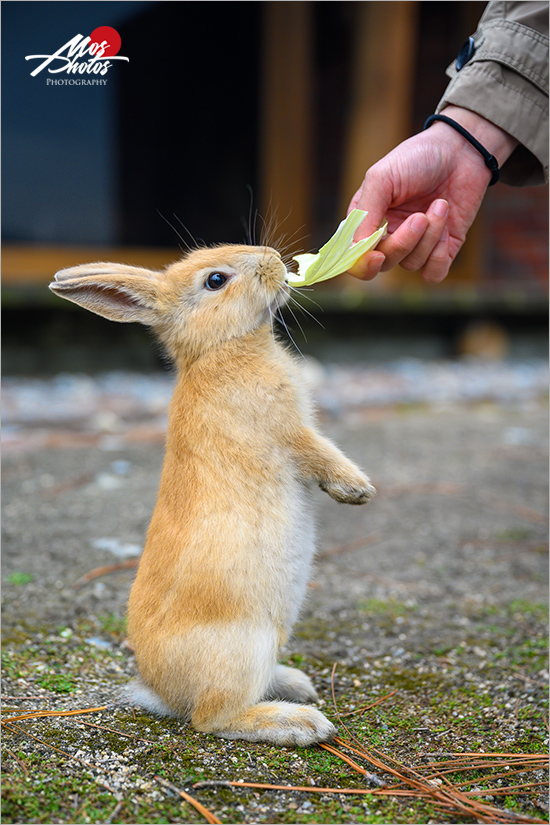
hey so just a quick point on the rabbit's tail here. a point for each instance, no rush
(138, 693)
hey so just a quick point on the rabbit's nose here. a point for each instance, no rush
(271, 270)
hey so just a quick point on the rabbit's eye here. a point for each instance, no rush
(216, 280)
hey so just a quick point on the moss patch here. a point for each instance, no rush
(475, 686)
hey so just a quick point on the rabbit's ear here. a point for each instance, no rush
(115, 291)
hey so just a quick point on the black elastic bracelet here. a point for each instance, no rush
(490, 160)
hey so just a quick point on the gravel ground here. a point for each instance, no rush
(441, 580)
(456, 450)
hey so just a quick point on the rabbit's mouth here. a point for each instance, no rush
(281, 297)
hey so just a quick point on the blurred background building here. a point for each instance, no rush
(225, 109)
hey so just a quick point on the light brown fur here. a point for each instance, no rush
(229, 547)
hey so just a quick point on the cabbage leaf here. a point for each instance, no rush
(337, 255)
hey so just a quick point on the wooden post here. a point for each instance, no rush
(382, 84)
(286, 119)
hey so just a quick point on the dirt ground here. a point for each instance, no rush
(441, 581)
(459, 517)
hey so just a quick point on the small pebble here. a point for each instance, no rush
(101, 644)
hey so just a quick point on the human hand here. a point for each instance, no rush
(429, 188)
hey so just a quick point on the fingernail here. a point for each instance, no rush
(419, 223)
(375, 263)
(441, 208)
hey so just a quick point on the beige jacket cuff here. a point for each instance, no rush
(506, 81)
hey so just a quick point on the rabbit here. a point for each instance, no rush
(230, 545)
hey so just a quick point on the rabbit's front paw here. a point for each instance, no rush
(358, 491)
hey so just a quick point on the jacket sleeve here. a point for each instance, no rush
(505, 79)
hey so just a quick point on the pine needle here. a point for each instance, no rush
(368, 707)
(437, 788)
(38, 714)
(197, 805)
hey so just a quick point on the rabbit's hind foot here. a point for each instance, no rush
(281, 723)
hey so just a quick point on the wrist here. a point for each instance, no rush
(498, 142)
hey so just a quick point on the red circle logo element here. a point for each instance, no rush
(107, 35)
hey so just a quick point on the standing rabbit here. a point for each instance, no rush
(229, 548)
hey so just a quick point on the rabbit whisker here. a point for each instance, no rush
(300, 327)
(269, 225)
(268, 304)
(196, 242)
(305, 311)
(280, 317)
(302, 293)
(250, 230)
(186, 247)
(282, 242)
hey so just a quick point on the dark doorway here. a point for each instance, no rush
(188, 121)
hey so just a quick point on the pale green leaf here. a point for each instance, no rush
(338, 254)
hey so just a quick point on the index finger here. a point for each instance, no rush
(372, 198)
